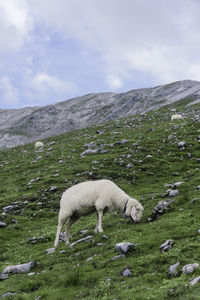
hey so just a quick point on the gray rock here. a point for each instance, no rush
(127, 272)
(173, 269)
(89, 151)
(189, 269)
(194, 200)
(193, 281)
(2, 224)
(124, 247)
(50, 250)
(173, 193)
(53, 188)
(85, 239)
(181, 144)
(167, 245)
(3, 276)
(160, 209)
(7, 294)
(118, 256)
(22, 268)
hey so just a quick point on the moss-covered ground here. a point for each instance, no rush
(142, 171)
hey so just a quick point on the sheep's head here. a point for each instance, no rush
(134, 210)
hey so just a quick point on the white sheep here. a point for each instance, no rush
(176, 117)
(88, 197)
(39, 144)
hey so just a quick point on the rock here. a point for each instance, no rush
(53, 188)
(160, 209)
(7, 294)
(2, 224)
(176, 184)
(85, 239)
(173, 193)
(166, 245)
(194, 200)
(3, 276)
(173, 269)
(50, 250)
(89, 151)
(22, 268)
(90, 145)
(193, 281)
(118, 256)
(124, 247)
(127, 272)
(181, 144)
(189, 269)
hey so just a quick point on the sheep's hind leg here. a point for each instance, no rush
(98, 227)
(60, 225)
(70, 221)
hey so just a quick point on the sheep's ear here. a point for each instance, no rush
(133, 213)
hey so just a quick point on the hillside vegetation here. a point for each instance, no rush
(141, 155)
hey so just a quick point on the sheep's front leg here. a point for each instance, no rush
(98, 227)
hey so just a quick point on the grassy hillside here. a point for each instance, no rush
(141, 155)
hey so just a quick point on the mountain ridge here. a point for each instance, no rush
(25, 125)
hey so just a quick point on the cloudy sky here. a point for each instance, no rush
(53, 50)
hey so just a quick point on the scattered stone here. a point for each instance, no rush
(53, 188)
(32, 273)
(194, 200)
(7, 294)
(50, 250)
(167, 245)
(189, 269)
(173, 269)
(173, 193)
(90, 145)
(35, 240)
(181, 144)
(193, 281)
(88, 259)
(2, 224)
(106, 237)
(90, 151)
(63, 252)
(22, 268)
(85, 239)
(118, 256)
(99, 244)
(160, 209)
(124, 247)
(127, 272)
(134, 145)
(83, 232)
(3, 276)
(189, 155)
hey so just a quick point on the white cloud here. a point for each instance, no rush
(8, 93)
(160, 38)
(15, 24)
(114, 82)
(45, 83)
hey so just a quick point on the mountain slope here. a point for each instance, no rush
(25, 125)
(141, 154)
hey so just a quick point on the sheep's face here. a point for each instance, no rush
(136, 213)
(134, 210)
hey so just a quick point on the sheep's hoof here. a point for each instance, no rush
(100, 230)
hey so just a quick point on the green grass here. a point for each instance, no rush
(70, 275)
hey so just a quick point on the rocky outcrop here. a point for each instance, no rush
(22, 126)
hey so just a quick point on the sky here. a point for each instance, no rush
(54, 50)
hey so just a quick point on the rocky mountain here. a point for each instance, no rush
(22, 126)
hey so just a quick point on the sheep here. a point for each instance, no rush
(176, 117)
(90, 196)
(39, 144)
